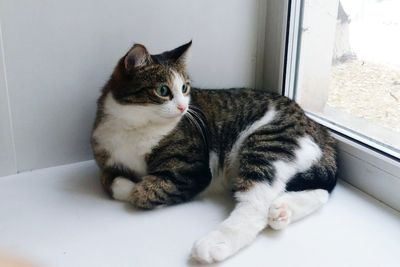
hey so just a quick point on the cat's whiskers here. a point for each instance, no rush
(190, 119)
(198, 114)
(195, 119)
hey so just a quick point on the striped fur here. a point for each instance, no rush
(261, 145)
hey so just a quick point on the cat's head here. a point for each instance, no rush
(146, 88)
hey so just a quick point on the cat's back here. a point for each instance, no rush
(231, 112)
(238, 108)
(241, 101)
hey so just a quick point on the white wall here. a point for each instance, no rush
(58, 54)
(7, 156)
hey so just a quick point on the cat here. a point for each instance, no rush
(158, 142)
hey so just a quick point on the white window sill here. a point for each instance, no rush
(61, 217)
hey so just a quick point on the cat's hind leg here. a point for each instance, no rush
(292, 206)
(249, 217)
(262, 178)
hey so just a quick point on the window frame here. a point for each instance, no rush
(364, 164)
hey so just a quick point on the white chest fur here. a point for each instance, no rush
(126, 143)
(127, 146)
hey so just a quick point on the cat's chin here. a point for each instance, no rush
(169, 120)
(173, 117)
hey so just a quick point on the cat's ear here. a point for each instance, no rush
(136, 57)
(176, 56)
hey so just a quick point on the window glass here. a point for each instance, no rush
(349, 66)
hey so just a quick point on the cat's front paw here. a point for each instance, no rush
(146, 198)
(153, 192)
(121, 189)
(279, 216)
(214, 247)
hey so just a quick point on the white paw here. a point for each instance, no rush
(279, 216)
(216, 246)
(322, 195)
(121, 188)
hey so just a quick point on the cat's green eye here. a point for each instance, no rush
(185, 88)
(163, 91)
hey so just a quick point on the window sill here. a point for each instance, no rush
(61, 217)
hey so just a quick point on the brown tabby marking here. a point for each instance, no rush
(151, 192)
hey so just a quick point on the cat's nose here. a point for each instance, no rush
(182, 107)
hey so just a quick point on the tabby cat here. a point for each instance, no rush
(158, 142)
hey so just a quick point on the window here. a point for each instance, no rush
(342, 65)
(349, 67)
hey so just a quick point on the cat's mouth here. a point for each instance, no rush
(181, 113)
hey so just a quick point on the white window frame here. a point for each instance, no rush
(363, 163)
